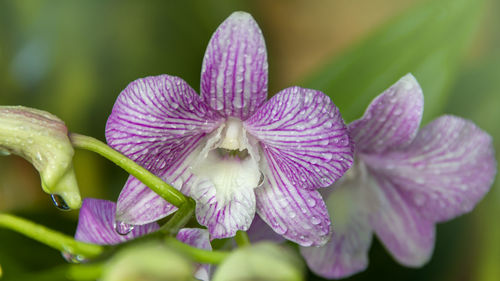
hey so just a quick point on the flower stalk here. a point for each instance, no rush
(179, 219)
(197, 254)
(242, 239)
(156, 184)
(49, 237)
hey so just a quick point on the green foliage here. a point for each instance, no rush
(263, 261)
(427, 41)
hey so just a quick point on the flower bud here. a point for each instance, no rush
(263, 261)
(42, 139)
(148, 262)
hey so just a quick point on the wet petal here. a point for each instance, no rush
(406, 234)
(347, 251)
(392, 119)
(223, 216)
(234, 71)
(198, 238)
(138, 204)
(155, 117)
(298, 214)
(447, 169)
(96, 224)
(304, 134)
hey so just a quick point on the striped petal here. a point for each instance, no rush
(392, 119)
(304, 134)
(447, 169)
(223, 216)
(96, 224)
(157, 122)
(155, 117)
(347, 251)
(234, 71)
(138, 204)
(406, 234)
(298, 214)
(198, 238)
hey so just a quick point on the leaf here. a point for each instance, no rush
(262, 261)
(427, 41)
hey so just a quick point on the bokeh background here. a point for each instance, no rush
(72, 58)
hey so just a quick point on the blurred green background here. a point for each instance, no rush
(72, 58)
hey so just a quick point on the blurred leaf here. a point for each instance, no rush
(148, 262)
(263, 261)
(427, 41)
(481, 82)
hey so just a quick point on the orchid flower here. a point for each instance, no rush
(229, 149)
(403, 182)
(96, 225)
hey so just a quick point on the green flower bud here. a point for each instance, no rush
(263, 261)
(42, 139)
(148, 262)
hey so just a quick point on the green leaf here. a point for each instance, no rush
(427, 41)
(262, 261)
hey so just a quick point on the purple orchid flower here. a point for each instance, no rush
(403, 182)
(96, 225)
(229, 149)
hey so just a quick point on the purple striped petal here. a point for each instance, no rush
(304, 134)
(198, 238)
(158, 122)
(234, 71)
(347, 251)
(96, 224)
(154, 119)
(138, 204)
(298, 214)
(406, 234)
(223, 216)
(392, 119)
(447, 169)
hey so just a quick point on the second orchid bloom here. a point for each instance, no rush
(232, 151)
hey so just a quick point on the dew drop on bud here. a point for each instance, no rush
(123, 228)
(59, 202)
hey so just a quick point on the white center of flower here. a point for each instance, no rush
(233, 138)
(230, 162)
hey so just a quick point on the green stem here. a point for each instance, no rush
(76, 272)
(85, 272)
(179, 219)
(156, 184)
(50, 237)
(199, 255)
(242, 239)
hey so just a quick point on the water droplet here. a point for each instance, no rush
(123, 228)
(4, 152)
(279, 228)
(315, 220)
(398, 111)
(293, 215)
(73, 258)
(324, 181)
(311, 202)
(328, 124)
(59, 202)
